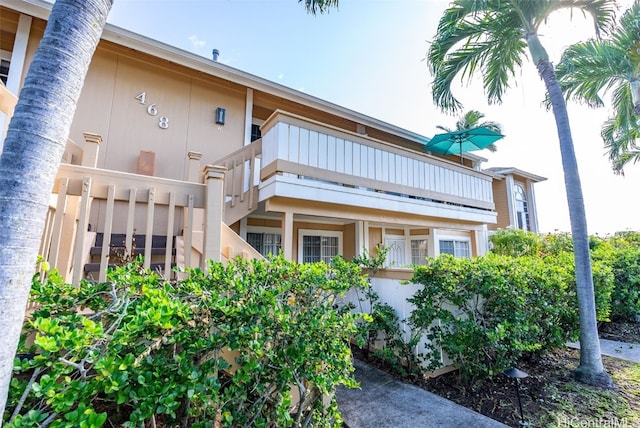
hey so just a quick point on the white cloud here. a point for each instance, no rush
(196, 42)
(280, 76)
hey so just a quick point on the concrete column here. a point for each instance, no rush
(91, 148)
(214, 179)
(193, 168)
(287, 235)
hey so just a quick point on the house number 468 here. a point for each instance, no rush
(163, 121)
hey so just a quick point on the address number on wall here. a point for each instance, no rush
(152, 110)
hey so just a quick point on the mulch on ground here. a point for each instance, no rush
(549, 395)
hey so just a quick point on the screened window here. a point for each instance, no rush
(405, 252)
(419, 251)
(319, 246)
(522, 209)
(455, 248)
(4, 70)
(265, 243)
(255, 132)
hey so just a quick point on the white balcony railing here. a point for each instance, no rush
(293, 145)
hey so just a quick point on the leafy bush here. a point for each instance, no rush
(232, 346)
(487, 312)
(515, 243)
(621, 254)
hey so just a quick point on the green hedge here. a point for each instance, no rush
(487, 312)
(139, 348)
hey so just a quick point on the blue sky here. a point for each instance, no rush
(367, 55)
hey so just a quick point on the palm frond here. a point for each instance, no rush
(587, 69)
(319, 6)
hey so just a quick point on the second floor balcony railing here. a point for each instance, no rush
(305, 148)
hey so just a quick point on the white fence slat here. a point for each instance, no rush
(149, 230)
(168, 252)
(83, 223)
(106, 238)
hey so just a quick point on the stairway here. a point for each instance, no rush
(118, 256)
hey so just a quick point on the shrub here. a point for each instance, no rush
(139, 348)
(487, 312)
(622, 257)
(515, 243)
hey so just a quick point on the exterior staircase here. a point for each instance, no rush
(119, 252)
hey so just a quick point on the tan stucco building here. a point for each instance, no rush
(208, 159)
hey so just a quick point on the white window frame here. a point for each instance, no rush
(317, 232)
(418, 238)
(265, 229)
(6, 56)
(522, 217)
(406, 239)
(454, 239)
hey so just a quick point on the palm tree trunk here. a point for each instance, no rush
(32, 151)
(590, 370)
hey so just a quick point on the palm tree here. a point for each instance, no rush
(589, 68)
(32, 151)
(492, 36)
(471, 119)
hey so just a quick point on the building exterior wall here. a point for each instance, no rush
(502, 205)
(177, 115)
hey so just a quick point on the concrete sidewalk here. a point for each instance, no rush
(383, 402)
(611, 348)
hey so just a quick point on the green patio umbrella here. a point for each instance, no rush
(462, 141)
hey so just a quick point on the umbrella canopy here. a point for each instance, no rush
(462, 141)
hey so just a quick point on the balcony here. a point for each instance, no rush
(306, 160)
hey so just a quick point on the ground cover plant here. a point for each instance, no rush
(247, 344)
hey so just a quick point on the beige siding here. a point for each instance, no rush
(108, 106)
(502, 205)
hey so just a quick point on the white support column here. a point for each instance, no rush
(511, 200)
(214, 179)
(359, 226)
(16, 67)
(482, 240)
(434, 245)
(365, 235)
(533, 208)
(248, 117)
(287, 235)
(243, 228)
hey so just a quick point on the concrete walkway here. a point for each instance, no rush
(611, 348)
(383, 402)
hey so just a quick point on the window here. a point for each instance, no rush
(522, 209)
(316, 246)
(457, 248)
(419, 251)
(255, 132)
(4, 70)
(265, 243)
(397, 251)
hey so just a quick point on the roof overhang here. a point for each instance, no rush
(502, 172)
(42, 9)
